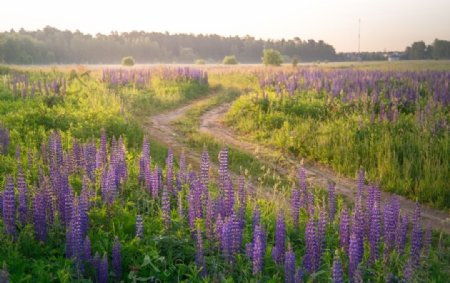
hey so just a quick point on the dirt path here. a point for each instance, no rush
(159, 127)
(211, 124)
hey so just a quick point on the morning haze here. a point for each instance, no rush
(385, 25)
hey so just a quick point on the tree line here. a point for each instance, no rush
(439, 49)
(50, 45)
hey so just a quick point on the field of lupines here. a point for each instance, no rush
(85, 204)
(393, 124)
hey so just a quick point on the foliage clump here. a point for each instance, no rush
(128, 61)
(272, 57)
(230, 60)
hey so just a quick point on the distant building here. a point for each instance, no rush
(393, 57)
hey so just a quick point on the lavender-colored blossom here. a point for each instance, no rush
(375, 233)
(226, 239)
(116, 259)
(165, 205)
(241, 192)
(400, 238)
(278, 251)
(169, 171)
(298, 275)
(355, 252)
(223, 168)
(321, 230)
(87, 253)
(23, 197)
(9, 207)
(259, 248)
(416, 237)
(103, 270)
(139, 226)
(310, 257)
(40, 223)
(289, 266)
(204, 167)
(344, 230)
(199, 252)
(338, 273)
(295, 206)
(228, 197)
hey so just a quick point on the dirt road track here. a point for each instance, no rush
(159, 127)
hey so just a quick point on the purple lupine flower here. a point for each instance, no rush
(210, 217)
(75, 236)
(23, 197)
(1, 203)
(355, 252)
(9, 207)
(295, 206)
(102, 156)
(165, 205)
(96, 262)
(321, 230)
(139, 226)
(416, 237)
(169, 171)
(219, 228)
(204, 167)
(228, 197)
(408, 272)
(227, 239)
(223, 168)
(180, 205)
(280, 236)
(344, 230)
(400, 238)
(236, 233)
(116, 259)
(155, 182)
(298, 275)
(258, 250)
(338, 273)
(103, 270)
(40, 223)
(309, 260)
(331, 200)
(4, 275)
(199, 252)
(87, 256)
(289, 266)
(375, 233)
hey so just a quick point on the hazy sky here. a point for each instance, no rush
(390, 25)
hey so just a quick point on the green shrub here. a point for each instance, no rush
(128, 61)
(200, 62)
(272, 57)
(230, 60)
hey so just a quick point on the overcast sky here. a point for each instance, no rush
(385, 25)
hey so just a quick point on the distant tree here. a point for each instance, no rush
(441, 49)
(200, 62)
(295, 61)
(128, 61)
(230, 60)
(272, 57)
(417, 51)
